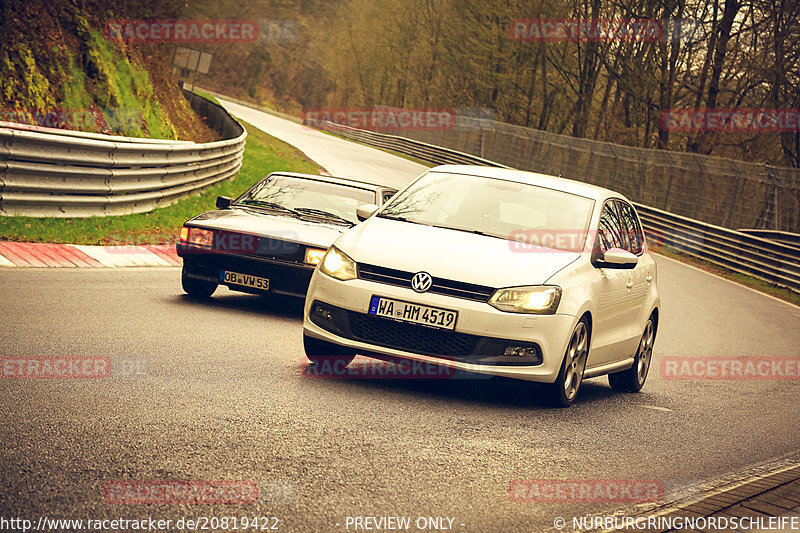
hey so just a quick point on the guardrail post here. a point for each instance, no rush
(773, 180)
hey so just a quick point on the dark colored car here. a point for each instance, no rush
(269, 239)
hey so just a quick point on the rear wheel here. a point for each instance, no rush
(565, 389)
(321, 352)
(197, 288)
(632, 380)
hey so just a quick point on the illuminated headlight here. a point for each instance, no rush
(314, 256)
(537, 300)
(198, 236)
(338, 265)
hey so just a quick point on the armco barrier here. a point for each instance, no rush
(770, 261)
(62, 173)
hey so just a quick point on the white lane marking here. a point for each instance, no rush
(5, 262)
(111, 256)
(656, 408)
(726, 279)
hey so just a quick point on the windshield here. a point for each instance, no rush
(495, 207)
(302, 197)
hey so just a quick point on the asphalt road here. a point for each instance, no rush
(220, 394)
(341, 158)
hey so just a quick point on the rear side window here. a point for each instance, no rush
(609, 231)
(633, 238)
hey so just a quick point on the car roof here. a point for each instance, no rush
(533, 178)
(332, 179)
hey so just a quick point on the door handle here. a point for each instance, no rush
(629, 284)
(649, 278)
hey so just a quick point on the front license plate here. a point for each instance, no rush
(414, 313)
(236, 278)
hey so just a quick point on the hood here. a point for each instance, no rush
(320, 234)
(451, 254)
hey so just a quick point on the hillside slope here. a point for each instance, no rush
(57, 69)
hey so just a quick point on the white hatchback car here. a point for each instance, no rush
(493, 271)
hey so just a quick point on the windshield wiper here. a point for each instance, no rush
(396, 217)
(475, 231)
(269, 205)
(323, 213)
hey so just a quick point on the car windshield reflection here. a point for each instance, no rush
(497, 208)
(300, 197)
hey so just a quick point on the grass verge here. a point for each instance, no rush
(263, 154)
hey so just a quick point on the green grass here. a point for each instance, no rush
(207, 96)
(263, 154)
(129, 92)
(748, 281)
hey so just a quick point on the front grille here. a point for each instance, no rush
(283, 278)
(420, 339)
(410, 337)
(447, 287)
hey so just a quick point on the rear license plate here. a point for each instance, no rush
(236, 278)
(413, 313)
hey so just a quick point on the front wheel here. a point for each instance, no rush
(319, 351)
(197, 288)
(632, 380)
(565, 389)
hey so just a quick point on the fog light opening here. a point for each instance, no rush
(521, 351)
(323, 313)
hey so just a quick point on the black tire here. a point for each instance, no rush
(565, 389)
(319, 352)
(632, 380)
(197, 288)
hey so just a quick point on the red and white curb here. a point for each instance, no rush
(40, 255)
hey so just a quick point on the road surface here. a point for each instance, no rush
(217, 392)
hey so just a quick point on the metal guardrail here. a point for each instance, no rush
(770, 261)
(251, 105)
(62, 173)
(754, 256)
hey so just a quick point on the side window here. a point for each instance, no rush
(387, 195)
(609, 231)
(633, 235)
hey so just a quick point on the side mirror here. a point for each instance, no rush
(224, 202)
(363, 212)
(618, 258)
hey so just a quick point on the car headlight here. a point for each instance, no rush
(198, 236)
(536, 300)
(314, 256)
(338, 265)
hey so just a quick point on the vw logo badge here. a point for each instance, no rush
(421, 282)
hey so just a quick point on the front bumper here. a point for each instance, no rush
(476, 345)
(285, 277)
